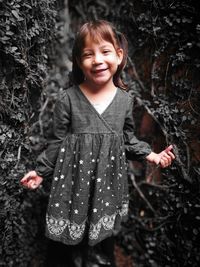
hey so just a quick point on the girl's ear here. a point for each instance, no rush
(120, 54)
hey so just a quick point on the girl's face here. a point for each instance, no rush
(99, 62)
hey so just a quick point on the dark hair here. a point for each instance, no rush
(98, 30)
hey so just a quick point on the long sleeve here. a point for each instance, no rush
(135, 149)
(45, 162)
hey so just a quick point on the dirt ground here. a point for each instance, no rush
(122, 260)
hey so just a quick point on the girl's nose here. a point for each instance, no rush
(97, 59)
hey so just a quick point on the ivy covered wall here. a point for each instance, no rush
(27, 32)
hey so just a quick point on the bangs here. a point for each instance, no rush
(95, 37)
(99, 34)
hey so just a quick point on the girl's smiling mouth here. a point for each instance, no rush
(97, 71)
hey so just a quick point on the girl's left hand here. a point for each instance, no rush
(166, 157)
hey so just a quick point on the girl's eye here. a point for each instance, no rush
(86, 55)
(106, 51)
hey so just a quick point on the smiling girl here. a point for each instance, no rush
(93, 138)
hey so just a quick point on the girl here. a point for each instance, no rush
(93, 137)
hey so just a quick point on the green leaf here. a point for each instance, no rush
(16, 15)
(13, 49)
(9, 33)
(5, 38)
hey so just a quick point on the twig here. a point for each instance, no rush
(183, 171)
(41, 113)
(189, 101)
(152, 83)
(18, 156)
(167, 69)
(157, 186)
(140, 192)
(80, 12)
(164, 221)
(149, 176)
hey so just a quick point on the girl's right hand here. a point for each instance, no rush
(31, 180)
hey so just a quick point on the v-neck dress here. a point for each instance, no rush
(101, 106)
(87, 158)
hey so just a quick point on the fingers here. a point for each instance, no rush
(31, 180)
(33, 184)
(28, 176)
(171, 154)
(165, 162)
(166, 159)
(169, 148)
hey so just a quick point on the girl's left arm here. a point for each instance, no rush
(139, 150)
(135, 149)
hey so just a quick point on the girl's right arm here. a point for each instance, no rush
(45, 163)
(31, 180)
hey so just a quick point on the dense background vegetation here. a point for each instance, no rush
(36, 37)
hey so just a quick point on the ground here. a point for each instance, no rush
(122, 260)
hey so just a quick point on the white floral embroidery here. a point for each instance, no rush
(108, 221)
(56, 226)
(94, 230)
(76, 230)
(124, 209)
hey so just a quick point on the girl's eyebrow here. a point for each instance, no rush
(85, 50)
(101, 47)
(105, 46)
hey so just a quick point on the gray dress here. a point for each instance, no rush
(88, 160)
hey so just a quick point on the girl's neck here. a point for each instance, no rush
(97, 93)
(97, 89)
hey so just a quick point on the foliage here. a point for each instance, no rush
(26, 34)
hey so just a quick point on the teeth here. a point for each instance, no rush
(99, 70)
